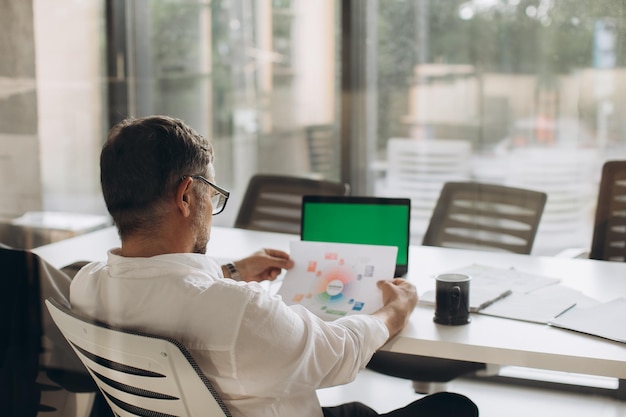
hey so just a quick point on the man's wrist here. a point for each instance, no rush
(233, 272)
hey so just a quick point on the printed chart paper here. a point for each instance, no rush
(337, 279)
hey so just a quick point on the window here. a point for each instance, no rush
(249, 74)
(520, 92)
(533, 88)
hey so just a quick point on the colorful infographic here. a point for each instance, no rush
(337, 279)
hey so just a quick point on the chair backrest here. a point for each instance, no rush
(417, 169)
(609, 232)
(139, 374)
(485, 216)
(273, 203)
(569, 176)
(323, 150)
(21, 329)
(31, 344)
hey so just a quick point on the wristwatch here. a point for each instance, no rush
(234, 273)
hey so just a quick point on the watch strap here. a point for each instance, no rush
(234, 273)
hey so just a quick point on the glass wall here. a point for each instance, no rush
(527, 93)
(518, 92)
(257, 76)
(52, 105)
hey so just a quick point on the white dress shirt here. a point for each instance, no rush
(264, 357)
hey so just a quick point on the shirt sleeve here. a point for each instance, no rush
(292, 350)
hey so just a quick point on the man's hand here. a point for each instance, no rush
(399, 299)
(265, 264)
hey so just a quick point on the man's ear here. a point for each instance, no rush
(184, 194)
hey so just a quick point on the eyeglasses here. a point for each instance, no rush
(219, 199)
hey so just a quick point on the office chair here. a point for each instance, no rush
(138, 373)
(477, 216)
(323, 150)
(417, 169)
(480, 216)
(33, 354)
(273, 203)
(609, 231)
(21, 334)
(567, 176)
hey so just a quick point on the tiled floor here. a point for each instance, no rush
(384, 393)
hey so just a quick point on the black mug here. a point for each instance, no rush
(452, 299)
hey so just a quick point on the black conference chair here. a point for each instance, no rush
(477, 216)
(31, 345)
(491, 217)
(273, 203)
(21, 329)
(138, 373)
(609, 231)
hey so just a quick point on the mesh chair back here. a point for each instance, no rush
(273, 203)
(485, 216)
(609, 232)
(568, 177)
(418, 169)
(323, 150)
(139, 374)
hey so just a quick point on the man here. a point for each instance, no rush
(264, 357)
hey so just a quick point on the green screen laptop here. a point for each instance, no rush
(364, 220)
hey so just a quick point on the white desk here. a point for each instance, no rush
(486, 339)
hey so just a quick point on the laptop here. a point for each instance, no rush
(364, 220)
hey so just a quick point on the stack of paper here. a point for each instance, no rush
(480, 297)
(539, 306)
(489, 285)
(604, 320)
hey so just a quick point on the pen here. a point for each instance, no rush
(490, 302)
(565, 311)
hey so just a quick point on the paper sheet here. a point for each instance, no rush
(514, 279)
(539, 306)
(479, 296)
(337, 279)
(490, 284)
(604, 320)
